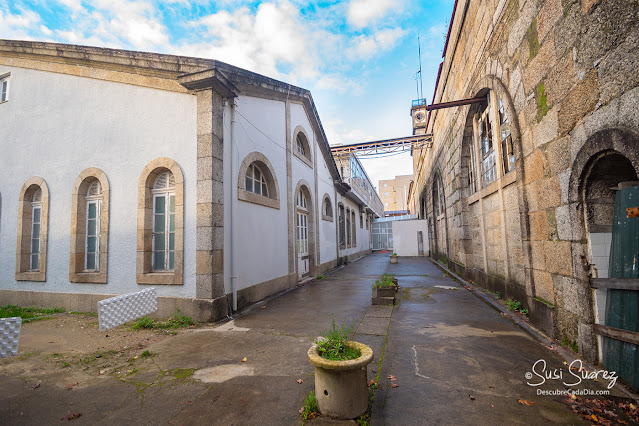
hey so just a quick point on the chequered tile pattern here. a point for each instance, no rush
(127, 307)
(9, 336)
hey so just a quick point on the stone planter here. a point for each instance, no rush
(394, 258)
(385, 291)
(341, 389)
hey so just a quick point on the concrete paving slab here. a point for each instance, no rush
(380, 311)
(374, 325)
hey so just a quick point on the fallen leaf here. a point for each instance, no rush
(188, 402)
(472, 398)
(392, 377)
(71, 416)
(36, 386)
(372, 382)
(573, 396)
(594, 417)
(262, 307)
(300, 381)
(301, 410)
(394, 385)
(523, 401)
(244, 359)
(69, 387)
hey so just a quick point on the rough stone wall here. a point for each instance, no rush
(566, 71)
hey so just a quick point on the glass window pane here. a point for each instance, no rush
(90, 262)
(258, 175)
(158, 260)
(172, 222)
(35, 245)
(158, 239)
(172, 204)
(171, 260)
(159, 223)
(249, 184)
(91, 227)
(91, 244)
(171, 241)
(92, 210)
(160, 204)
(36, 231)
(35, 261)
(36, 215)
(264, 192)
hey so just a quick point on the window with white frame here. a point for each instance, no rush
(299, 144)
(256, 181)
(492, 142)
(164, 222)
(342, 241)
(348, 227)
(36, 226)
(486, 145)
(507, 153)
(93, 216)
(4, 87)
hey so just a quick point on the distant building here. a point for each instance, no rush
(394, 195)
(122, 170)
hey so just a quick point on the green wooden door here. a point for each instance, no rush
(622, 306)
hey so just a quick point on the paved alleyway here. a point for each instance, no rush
(443, 344)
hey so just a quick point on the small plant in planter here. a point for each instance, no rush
(393, 258)
(384, 288)
(340, 373)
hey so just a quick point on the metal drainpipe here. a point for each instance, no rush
(233, 201)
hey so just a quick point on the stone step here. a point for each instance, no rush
(383, 301)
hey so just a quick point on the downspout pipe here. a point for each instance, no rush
(233, 188)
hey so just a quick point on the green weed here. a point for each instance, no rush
(332, 345)
(8, 311)
(176, 321)
(309, 410)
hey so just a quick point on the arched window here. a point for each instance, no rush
(342, 233)
(302, 146)
(36, 223)
(354, 226)
(492, 140)
(327, 208)
(257, 182)
(161, 223)
(164, 222)
(89, 227)
(33, 211)
(348, 227)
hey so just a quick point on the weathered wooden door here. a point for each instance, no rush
(622, 306)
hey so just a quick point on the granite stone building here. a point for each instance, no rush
(121, 170)
(520, 181)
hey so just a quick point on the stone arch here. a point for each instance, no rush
(144, 272)
(23, 249)
(307, 157)
(273, 199)
(304, 187)
(78, 223)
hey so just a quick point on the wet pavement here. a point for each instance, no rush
(455, 359)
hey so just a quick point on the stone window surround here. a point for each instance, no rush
(342, 226)
(4, 77)
(354, 226)
(327, 200)
(306, 159)
(499, 92)
(273, 200)
(78, 228)
(144, 272)
(24, 231)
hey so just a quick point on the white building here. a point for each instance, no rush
(121, 170)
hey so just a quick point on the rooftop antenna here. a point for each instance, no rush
(418, 75)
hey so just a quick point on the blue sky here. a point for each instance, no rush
(357, 57)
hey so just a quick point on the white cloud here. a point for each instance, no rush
(367, 46)
(19, 26)
(361, 13)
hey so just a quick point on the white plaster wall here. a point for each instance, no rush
(405, 237)
(260, 233)
(54, 126)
